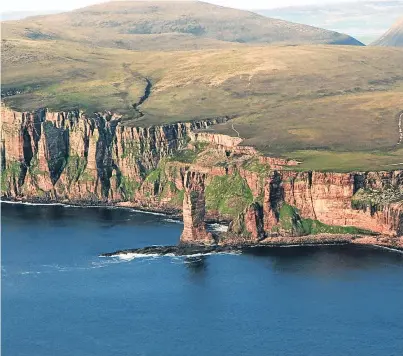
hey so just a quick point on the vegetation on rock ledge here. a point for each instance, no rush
(376, 199)
(291, 222)
(229, 195)
(11, 172)
(128, 187)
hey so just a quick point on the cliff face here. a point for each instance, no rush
(68, 157)
(288, 203)
(369, 201)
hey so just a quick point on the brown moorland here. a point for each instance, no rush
(333, 107)
(168, 25)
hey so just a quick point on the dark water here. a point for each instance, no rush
(59, 298)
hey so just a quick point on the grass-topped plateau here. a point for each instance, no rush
(333, 107)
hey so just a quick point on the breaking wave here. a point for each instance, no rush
(141, 211)
(175, 221)
(38, 204)
(46, 269)
(132, 256)
(218, 227)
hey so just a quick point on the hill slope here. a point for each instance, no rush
(334, 107)
(394, 37)
(167, 25)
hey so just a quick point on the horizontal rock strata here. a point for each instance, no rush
(69, 157)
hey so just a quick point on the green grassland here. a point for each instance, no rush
(332, 107)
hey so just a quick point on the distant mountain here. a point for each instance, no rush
(365, 20)
(168, 25)
(19, 15)
(393, 37)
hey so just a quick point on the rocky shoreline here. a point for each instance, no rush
(194, 250)
(181, 170)
(227, 243)
(190, 250)
(171, 213)
(168, 212)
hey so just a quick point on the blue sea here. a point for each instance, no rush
(59, 298)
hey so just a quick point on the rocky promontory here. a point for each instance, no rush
(189, 250)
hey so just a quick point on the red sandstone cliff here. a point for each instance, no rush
(67, 156)
(329, 198)
(70, 157)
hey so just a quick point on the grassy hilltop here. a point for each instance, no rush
(334, 107)
(168, 25)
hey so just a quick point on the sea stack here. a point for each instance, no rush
(194, 231)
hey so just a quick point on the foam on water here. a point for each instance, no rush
(86, 207)
(218, 227)
(388, 248)
(143, 211)
(46, 269)
(38, 204)
(174, 221)
(214, 253)
(131, 256)
(213, 227)
(30, 272)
